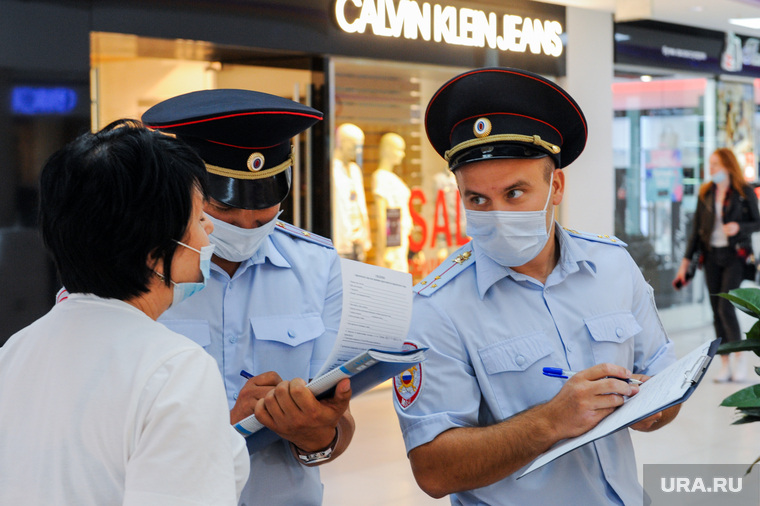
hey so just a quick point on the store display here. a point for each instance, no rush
(351, 232)
(391, 198)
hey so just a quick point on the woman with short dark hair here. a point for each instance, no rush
(99, 404)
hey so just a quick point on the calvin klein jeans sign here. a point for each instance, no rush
(451, 25)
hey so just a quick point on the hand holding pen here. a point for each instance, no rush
(556, 372)
(586, 397)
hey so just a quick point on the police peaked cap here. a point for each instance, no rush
(244, 138)
(504, 112)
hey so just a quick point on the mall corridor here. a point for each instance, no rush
(374, 471)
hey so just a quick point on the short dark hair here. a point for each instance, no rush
(549, 167)
(110, 200)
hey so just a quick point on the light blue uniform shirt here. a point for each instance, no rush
(279, 312)
(491, 330)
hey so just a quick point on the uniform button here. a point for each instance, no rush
(291, 333)
(619, 332)
(233, 339)
(234, 397)
(519, 360)
(569, 348)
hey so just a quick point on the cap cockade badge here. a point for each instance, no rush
(482, 127)
(255, 162)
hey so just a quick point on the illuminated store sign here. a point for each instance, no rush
(31, 100)
(452, 25)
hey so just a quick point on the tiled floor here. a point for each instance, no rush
(374, 471)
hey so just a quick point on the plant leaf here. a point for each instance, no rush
(746, 419)
(751, 412)
(749, 469)
(743, 345)
(746, 398)
(746, 300)
(754, 332)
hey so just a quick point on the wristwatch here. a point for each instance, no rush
(317, 456)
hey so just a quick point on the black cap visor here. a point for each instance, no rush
(499, 151)
(250, 194)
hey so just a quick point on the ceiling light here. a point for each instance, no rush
(753, 23)
(645, 78)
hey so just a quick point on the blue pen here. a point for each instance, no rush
(556, 372)
(246, 374)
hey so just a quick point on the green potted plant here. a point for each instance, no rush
(747, 400)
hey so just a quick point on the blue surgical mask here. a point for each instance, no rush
(238, 244)
(719, 177)
(185, 290)
(510, 238)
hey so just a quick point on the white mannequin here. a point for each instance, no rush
(351, 234)
(391, 194)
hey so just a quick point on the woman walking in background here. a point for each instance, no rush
(726, 216)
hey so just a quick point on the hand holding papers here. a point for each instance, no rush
(377, 311)
(665, 389)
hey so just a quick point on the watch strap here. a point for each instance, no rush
(316, 456)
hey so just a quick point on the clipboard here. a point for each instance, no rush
(691, 378)
(669, 387)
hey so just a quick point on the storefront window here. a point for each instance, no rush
(662, 131)
(395, 202)
(130, 74)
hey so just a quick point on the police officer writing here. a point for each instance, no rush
(524, 294)
(272, 306)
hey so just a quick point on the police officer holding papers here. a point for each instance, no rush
(524, 294)
(272, 305)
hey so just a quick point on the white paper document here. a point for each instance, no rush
(660, 391)
(377, 311)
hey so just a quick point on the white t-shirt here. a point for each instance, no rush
(350, 218)
(718, 238)
(387, 185)
(100, 405)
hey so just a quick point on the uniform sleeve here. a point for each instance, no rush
(182, 449)
(331, 311)
(447, 393)
(653, 350)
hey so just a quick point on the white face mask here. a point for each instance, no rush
(510, 238)
(239, 244)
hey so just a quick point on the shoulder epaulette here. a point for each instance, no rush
(62, 295)
(603, 238)
(303, 234)
(460, 260)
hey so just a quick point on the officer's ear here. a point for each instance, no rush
(558, 186)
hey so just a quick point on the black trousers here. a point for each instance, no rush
(724, 271)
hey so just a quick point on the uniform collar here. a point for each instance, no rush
(572, 258)
(268, 250)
